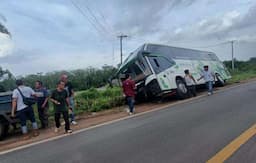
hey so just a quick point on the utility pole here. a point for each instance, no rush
(121, 45)
(232, 51)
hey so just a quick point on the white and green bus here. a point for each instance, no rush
(159, 69)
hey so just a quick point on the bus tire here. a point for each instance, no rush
(182, 91)
(220, 81)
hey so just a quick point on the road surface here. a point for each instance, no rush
(191, 132)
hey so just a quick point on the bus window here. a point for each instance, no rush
(143, 65)
(160, 64)
(137, 72)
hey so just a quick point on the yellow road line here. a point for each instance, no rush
(226, 152)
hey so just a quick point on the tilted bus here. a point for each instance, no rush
(159, 69)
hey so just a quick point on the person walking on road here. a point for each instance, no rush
(70, 90)
(23, 111)
(190, 82)
(60, 100)
(129, 92)
(42, 103)
(209, 79)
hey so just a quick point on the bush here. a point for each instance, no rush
(94, 100)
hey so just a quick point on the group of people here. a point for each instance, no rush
(62, 98)
(207, 75)
(129, 85)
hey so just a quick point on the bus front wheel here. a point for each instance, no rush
(220, 80)
(181, 89)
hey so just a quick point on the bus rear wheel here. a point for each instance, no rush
(182, 90)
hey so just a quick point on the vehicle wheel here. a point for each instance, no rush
(3, 130)
(182, 90)
(220, 81)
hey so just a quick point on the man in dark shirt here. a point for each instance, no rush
(71, 93)
(129, 92)
(60, 99)
(42, 103)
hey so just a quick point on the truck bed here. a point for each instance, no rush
(5, 101)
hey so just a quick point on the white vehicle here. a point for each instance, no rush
(159, 69)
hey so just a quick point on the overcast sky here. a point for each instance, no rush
(49, 35)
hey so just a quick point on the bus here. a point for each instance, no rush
(159, 69)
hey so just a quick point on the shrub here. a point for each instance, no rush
(94, 100)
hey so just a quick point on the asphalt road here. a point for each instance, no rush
(191, 132)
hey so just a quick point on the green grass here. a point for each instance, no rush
(238, 76)
(94, 100)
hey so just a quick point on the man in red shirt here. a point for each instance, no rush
(129, 92)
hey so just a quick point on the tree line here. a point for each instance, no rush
(82, 79)
(242, 66)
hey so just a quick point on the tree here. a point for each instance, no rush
(7, 80)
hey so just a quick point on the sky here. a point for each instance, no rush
(49, 35)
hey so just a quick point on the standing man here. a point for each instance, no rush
(209, 79)
(71, 94)
(129, 92)
(23, 112)
(190, 82)
(42, 103)
(60, 101)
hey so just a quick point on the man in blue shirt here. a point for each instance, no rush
(209, 79)
(42, 103)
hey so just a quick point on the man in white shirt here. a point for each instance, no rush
(209, 79)
(190, 82)
(23, 112)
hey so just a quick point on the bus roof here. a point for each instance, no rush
(146, 47)
(173, 47)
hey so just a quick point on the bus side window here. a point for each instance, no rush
(160, 64)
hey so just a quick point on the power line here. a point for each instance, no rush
(96, 19)
(86, 16)
(100, 23)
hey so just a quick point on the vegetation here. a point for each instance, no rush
(6, 80)
(82, 79)
(243, 70)
(94, 100)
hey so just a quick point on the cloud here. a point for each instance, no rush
(227, 26)
(144, 16)
(6, 45)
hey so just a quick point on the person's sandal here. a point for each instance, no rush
(26, 136)
(35, 133)
(69, 131)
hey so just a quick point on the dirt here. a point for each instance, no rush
(87, 120)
